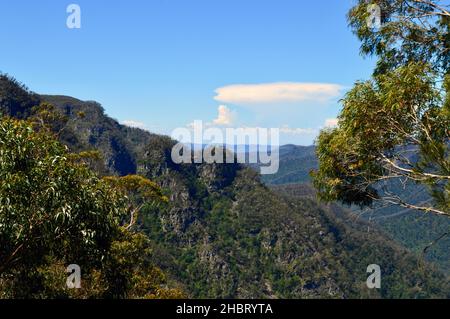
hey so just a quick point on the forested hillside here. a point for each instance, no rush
(223, 233)
(412, 229)
(226, 235)
(296, 163)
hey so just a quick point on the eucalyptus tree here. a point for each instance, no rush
(394, 129)
(55, 211)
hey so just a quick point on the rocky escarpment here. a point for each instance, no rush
(227, 235)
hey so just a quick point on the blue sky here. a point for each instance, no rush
(164, 63)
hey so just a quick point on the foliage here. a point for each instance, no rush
(411, 31)
(139, 192)
(45, 196)
(53, 212)
(15, 98)
(395, 126)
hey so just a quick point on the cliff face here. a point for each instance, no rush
(97, 131)
(120, 146)
(224, 234)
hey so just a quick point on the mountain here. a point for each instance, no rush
(414, 230)
(120, 145)
(227, 235)
(296, 162)
(224, 234)
(87, 126)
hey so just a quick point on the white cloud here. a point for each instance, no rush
(282, 92)
(331, 123)
(225, 116)
(135, 124)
